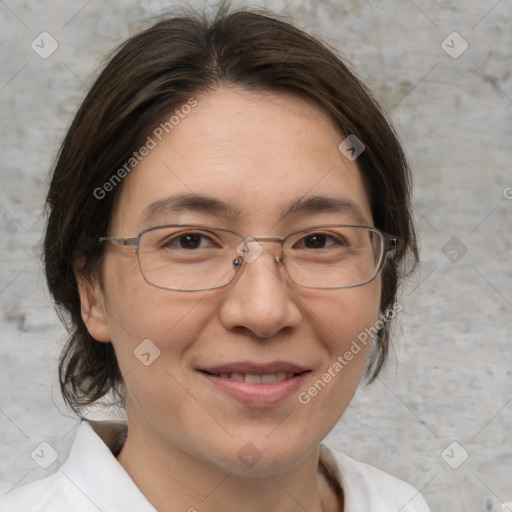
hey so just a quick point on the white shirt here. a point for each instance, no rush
(92, 480)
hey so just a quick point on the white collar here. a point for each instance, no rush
(91, 465)
(101, 441)
(364, 487)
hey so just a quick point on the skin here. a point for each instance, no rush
(260, 152)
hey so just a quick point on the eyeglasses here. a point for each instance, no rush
(186, 257)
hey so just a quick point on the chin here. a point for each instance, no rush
(260, 456)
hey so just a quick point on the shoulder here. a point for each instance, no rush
(367, 487)
(65, 489)
(88, 481)
(54, 493)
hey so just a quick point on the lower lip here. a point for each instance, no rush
(257, 395)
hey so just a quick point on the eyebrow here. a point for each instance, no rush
(303, 205)
(319, 204)
(189, 201)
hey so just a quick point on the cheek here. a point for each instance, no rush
(344, 322)
(137, 311)
(155, 331)
(343, 316)
(171, 322)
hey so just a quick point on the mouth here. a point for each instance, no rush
(252, 378)
(256, 373)
(256, 385)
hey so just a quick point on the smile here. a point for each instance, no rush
(248, 378)
(256, 385)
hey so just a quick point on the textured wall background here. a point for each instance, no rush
(451, 378)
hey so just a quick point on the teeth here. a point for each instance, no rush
(269, 378)
(252, 379)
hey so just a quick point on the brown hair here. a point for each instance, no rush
(155, 71)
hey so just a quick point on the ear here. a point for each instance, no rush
(92, 305)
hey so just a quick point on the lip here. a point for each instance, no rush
(255, 368)
(256, 395)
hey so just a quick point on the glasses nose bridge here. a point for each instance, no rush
(273, 239)
(252, 247)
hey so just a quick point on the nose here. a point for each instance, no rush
(259, 300)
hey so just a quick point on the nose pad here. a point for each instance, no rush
(249, 249)
(262, 304)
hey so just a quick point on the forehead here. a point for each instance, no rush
(253, 156)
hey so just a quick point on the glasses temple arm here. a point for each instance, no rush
(391, 244)
(132, 242)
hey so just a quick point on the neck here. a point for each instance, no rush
(174, 480)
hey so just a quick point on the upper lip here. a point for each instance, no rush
(251, 368)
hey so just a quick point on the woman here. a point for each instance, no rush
(229, 221)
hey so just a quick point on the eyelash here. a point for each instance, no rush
(175, 239)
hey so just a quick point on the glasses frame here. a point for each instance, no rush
(389, 246)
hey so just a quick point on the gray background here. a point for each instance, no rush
(450, 377)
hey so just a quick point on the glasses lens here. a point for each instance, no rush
(333, 257)
(188, 257)
(194, 258)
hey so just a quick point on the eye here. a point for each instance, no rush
(188, 241)
(318, 241)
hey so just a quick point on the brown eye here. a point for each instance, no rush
(315, 241)
(318, 241)
(188, 241)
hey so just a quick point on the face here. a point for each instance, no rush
(254, 154)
